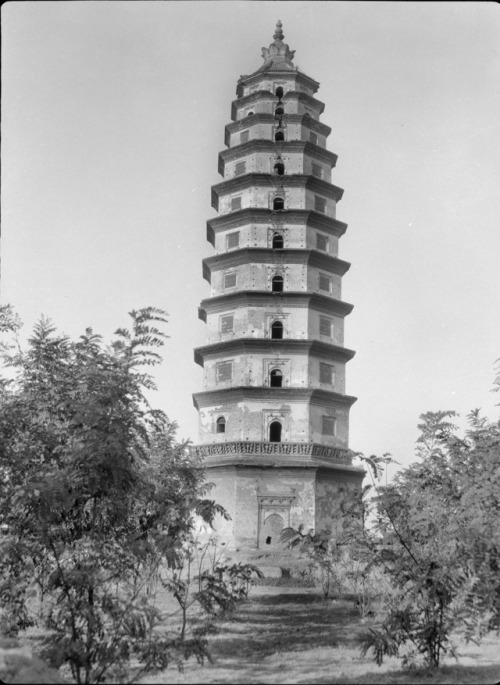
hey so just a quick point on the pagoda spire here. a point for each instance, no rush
(278, 35)
(278, 55)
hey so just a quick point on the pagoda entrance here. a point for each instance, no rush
(274, 515)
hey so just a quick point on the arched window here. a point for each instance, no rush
(276, 378)
(279, 168)
(277, 330)
(277, 284)
(275, 432)
(250, 114)
(279, 92)
(279, 111)
(279, 136)
(221, 424)
(278, 241)
(279, 203)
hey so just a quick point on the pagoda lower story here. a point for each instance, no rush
(266, 487)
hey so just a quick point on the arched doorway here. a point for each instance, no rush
(277, 330)
(271, 531)
(278, 242)
(275, 432)
(277, 284)
(276, 379)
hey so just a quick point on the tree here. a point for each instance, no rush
(95, 494)
(438, 539)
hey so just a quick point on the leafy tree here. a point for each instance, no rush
(434, 534)
(438, 539)
(95, 494)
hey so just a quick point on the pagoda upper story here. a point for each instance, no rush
(274, 362)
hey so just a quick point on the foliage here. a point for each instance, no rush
(205, 586)
(438, 538)
(96, 495)
(324, 553)
(432, 535)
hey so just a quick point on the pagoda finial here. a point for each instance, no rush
(278, 34)
(278, 55)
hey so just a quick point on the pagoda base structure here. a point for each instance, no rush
(266, 487)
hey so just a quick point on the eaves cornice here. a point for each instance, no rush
(250, 215)
(242, 393)
(315, 348)
(266, 255)
(266, 145)
(299, 76)
(240, 183)
(259, 95)
(263, 118)
(264, 298)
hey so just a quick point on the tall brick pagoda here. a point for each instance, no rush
(273, 413)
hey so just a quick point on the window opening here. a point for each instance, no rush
(319, 204)
(275, 432)
(277, 284)
(277, 330)
(326, 373)
(317, 170)
(224, 371)
(313, 138)
(276, 378)
(279, 111)
(226, 324)
(235, 203)
(325, 326)
(268, 540)
(279, 203)
(230, 279)
(279, 136)
(240, 168)
(279, 168)
(278, 242)
(232, 240)
(328, 425)
(221, 424)
(250, 114)
(322, 242)
(325, 283)
(279, 92)
(244, 136)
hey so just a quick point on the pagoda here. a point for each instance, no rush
(273, 412)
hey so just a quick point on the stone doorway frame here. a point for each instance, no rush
(273, 504)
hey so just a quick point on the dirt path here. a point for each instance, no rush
(292, 635)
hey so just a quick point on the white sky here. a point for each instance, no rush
(113, 116)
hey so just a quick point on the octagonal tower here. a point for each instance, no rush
(273, 412)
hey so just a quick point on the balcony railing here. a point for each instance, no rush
(250, 447)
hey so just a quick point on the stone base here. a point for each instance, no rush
(263, 498)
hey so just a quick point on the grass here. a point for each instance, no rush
(289, 634)
(292, 635)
